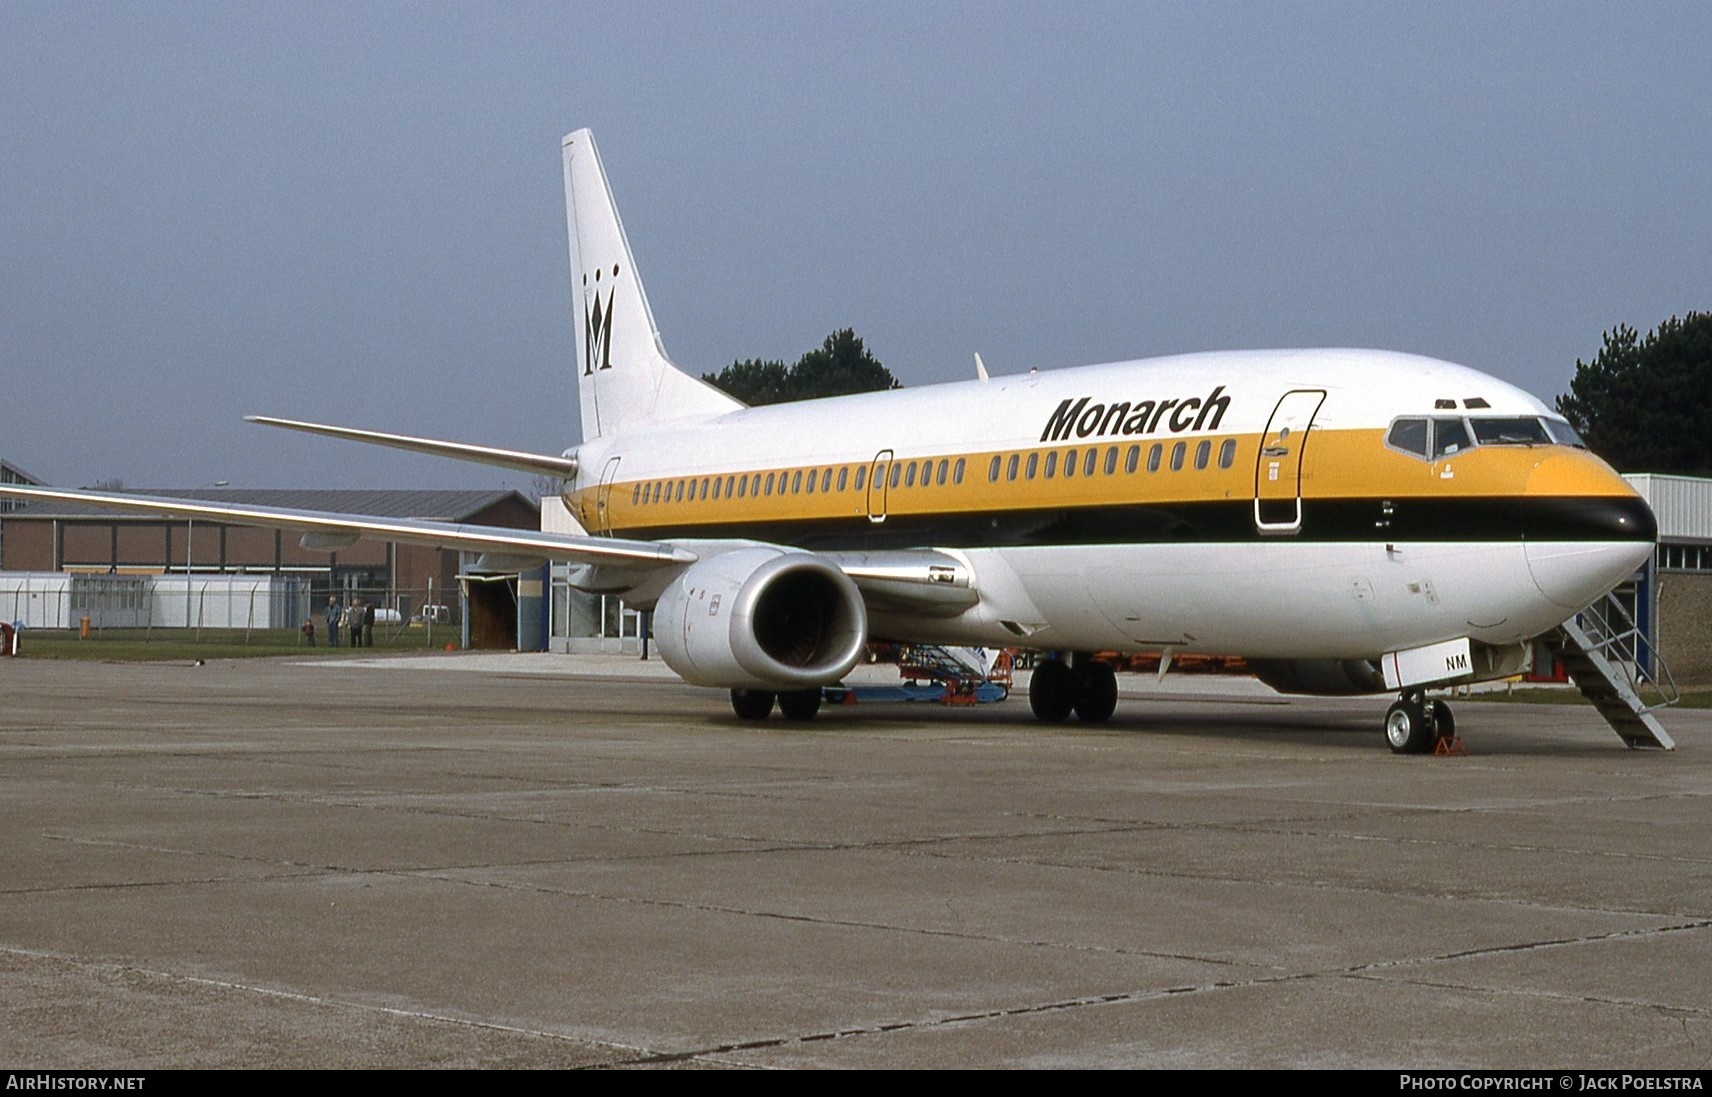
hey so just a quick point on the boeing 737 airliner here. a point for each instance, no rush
(1349, 520)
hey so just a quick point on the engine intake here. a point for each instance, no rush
(761, 618)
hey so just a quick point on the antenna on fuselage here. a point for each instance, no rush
(980, 367)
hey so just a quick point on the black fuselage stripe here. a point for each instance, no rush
(1511, 519)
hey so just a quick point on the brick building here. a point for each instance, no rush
(66, 537)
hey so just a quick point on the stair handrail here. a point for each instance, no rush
(1622, 643)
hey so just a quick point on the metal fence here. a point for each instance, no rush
(225, 602)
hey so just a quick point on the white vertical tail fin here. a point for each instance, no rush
(624, 379)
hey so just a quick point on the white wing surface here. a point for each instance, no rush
(327, 529)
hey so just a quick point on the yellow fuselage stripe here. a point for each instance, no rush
(1336, 464)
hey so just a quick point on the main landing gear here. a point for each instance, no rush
(1087, 688)
(757, 704)
(1413, 725)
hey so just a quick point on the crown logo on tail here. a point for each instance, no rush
(597, 327)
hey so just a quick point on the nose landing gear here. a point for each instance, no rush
(1413, 725)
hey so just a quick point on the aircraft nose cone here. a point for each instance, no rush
(1587, 530)
(1573, 575)
(1580, 548)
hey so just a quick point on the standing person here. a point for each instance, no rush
(358, 620)
(332, 615)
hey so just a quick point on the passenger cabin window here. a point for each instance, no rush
(957, 472)
(1153, 457)
(861, 476)
(1033, 465)
(1227, 453)
(1203, 453)
(1011, 469)
(1177, 452)
(993, 468)
(1111, 460)
(1052, 465)
(1069, 463)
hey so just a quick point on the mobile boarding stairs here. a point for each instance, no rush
(1614, 666)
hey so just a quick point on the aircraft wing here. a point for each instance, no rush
(329, 530)
(538, 463)
(930, 582)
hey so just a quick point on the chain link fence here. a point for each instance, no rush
(242, 608)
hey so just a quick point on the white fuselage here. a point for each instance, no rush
(1246, 503)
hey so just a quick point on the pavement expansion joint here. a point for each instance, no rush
(452, 876)
(315, 999)
(1561, 942)
(1062, 1005)
(1272, 881)
(177, 851)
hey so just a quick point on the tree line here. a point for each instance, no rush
(1645, 403)
(840, 366)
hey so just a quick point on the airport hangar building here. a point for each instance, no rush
(97, 548)
(1673, 593)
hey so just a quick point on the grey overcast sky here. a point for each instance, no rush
(353, 212)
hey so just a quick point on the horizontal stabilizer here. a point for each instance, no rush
(538, 463)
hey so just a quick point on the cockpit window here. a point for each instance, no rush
(1447, 437)
(1409, 435)
(1450, 436)
(1563, 434)
(1510, 432)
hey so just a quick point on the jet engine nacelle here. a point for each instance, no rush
(1323, 677)
(761, 618)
